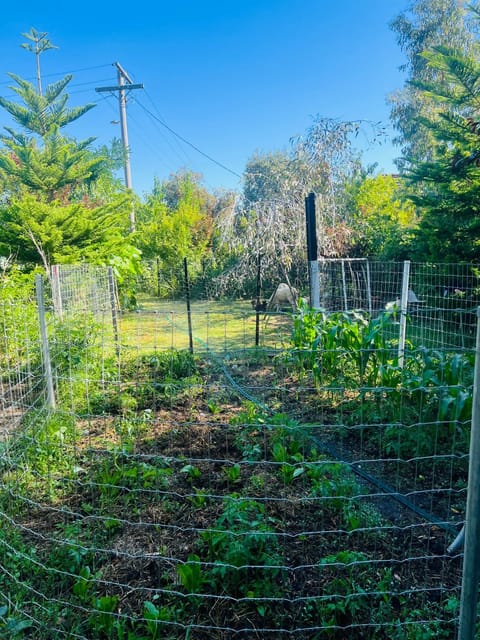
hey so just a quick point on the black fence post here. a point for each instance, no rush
(312, 250)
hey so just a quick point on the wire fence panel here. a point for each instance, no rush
(21, 375)
(308, 488)
(81, 289)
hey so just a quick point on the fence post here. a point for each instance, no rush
(258, 300)
(158, 276)
(344, 287)
(47, 364)
(403, 313)
(56, 291)
(113, 307)
(312, 250)
(369, 289)
(471, 557)
(189, 312)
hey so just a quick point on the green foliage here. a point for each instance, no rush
(233, 473)
(249, 440)
(12, 627)
(383, 223)
(56, 233)
(423, 25)
(174, 223)
(242, 536)
(344, 348)
(438, 387)
(191, 575)
(18, 319)
(53, 212)
(46, 444)
(152, 379)
(43, 113)
(103, 621)
(445, 187)
(155, 619)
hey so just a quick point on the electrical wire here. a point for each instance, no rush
(63, 73)
(190, 144)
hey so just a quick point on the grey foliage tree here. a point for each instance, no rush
(269, 220)
(424, 25)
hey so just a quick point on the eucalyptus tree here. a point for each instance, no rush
(269, 219)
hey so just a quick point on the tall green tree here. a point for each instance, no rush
(37, 43)
(176, 222)
(40, 158)
(52, 209)
(54, 233)
(384, 221)
(424, 25)
(446, 188)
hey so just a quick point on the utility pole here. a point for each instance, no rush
(124, 84)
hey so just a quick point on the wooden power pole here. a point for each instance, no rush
(124, 84)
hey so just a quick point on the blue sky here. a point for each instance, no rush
(232, 77)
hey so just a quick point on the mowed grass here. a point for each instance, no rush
(216, 326)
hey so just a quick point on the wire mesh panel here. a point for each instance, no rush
(308, 489)
(449, 295)
(81, 289)
(21, 372)
(348, 284)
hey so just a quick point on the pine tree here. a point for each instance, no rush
(50, 210)
(447, 186)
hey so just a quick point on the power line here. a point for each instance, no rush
(190, 144)
(64, 73)
(179, 149)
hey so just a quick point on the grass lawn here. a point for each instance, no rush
(218, 326)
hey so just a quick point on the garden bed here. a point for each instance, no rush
(186, 510)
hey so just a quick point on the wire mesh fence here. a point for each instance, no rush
(85, 288)
(310, 487)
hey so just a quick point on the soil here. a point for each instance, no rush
(335, 564)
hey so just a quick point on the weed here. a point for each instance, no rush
(243, 545)
(233, 473)
(191, 575)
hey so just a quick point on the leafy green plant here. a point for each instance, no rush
(83, 587)
(192, 472)
(199, 499)
(155, 619)
(12, 626)
(344, 599)
(233, 473)
(103, 619)
(47, 441)
(243, 547)
(191, 575)
(251, 422)
(438, 386)
(343, 348)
